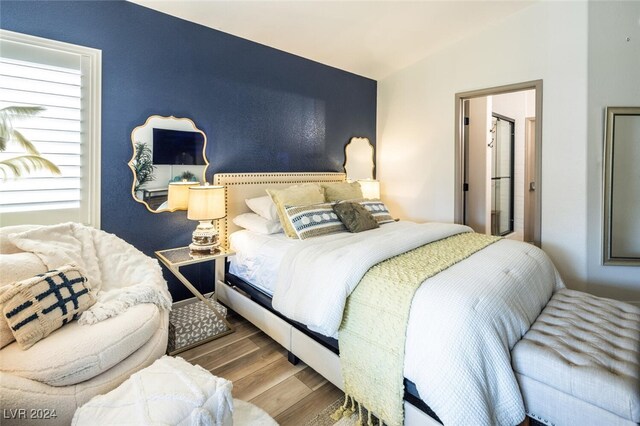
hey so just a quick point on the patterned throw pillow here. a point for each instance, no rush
(355, 216)
(37, 306)
(314, 220)
(15, 267)
(378, 210)
(297, 195)
(6, 336)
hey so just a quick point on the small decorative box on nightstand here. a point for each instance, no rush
(194, 324)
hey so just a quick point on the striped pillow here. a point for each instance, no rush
(378, 210)
(314, 220)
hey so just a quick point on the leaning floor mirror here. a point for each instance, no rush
(622, 187)
(169, 156)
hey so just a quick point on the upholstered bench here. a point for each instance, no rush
(579, 363)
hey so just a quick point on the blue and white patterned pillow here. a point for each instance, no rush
(37, 306)
(378, 210)
(314, 220)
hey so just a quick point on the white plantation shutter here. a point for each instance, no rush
(60, 78)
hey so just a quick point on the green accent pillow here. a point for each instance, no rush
(341, 191)
(355, 217)
(298, 195)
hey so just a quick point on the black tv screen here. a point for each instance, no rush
(177, 147)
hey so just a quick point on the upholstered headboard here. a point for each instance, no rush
(240, 186)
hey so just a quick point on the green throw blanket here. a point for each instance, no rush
(374, 325)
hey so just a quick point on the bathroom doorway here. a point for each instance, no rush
(498, 160)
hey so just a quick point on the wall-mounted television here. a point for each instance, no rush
(177, 147)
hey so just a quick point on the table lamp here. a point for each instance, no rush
(370, 188)
(178, 196)
(206, 203)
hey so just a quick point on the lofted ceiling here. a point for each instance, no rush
(369, 38)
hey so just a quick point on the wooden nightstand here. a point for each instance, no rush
(175, 258)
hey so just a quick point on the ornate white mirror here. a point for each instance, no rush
(622, 187)
(169, 156)
(358, 155)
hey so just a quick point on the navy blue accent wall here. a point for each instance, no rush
(262, 109)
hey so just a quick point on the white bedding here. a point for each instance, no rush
(258, 257)
(463, 321)
(316, 277)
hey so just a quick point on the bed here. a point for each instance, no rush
(318, 347)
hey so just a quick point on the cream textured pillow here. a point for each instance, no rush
(341, 191)
(37, 306)
(298, 195)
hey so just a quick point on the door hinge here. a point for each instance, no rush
(466, 121)
(465, 187)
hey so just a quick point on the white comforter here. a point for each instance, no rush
(463, 321)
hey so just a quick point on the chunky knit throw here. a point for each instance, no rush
(374, 325)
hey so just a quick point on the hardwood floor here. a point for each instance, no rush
(261, 374)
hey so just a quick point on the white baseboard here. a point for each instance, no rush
(189, 301)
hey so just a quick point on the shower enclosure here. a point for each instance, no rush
(502, 171)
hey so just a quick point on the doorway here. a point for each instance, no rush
(498, 152)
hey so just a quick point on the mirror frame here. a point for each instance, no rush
(133, 156)
(609, 146)
(353, 142)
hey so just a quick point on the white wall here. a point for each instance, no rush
(547, 41)
(614, 80)
(478, 203)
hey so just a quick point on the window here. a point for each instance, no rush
(65, 80)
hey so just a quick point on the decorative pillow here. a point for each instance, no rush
(378, 210)
(15, 267)
(37, 306)
(341, 191)
(259, 224)
(355, 216)
(263, 206)
(314, 220)
(6, 336)
(298, 195)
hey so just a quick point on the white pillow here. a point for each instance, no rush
(263, 206)
(256, 223)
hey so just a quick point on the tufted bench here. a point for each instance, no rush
(579, 363)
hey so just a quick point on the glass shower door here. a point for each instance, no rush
(502, 203)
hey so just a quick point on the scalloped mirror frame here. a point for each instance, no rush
(170, 123)
(359, 159)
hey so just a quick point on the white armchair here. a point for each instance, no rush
(123, 333)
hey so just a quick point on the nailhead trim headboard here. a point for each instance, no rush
(240, 186)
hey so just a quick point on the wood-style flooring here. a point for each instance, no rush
(262, 375)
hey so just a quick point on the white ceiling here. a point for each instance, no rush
(369, 38)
